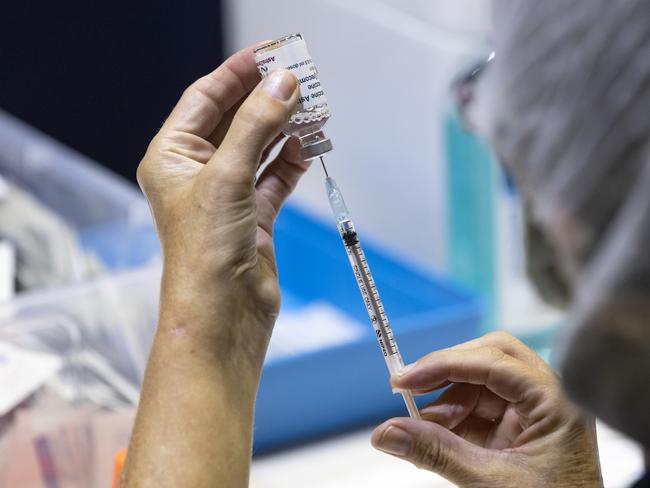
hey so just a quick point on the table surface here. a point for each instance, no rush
(349, 461)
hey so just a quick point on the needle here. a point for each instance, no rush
(324, 168)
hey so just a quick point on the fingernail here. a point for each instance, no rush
(406, 369)
(280, 84)
(395, 441)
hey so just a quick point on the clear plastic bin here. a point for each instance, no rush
(92, 200)
(100, 332)
(102, 329)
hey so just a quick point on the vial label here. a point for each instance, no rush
(295, 58)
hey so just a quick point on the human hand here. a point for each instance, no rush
(219, 295)
(503, 421)
(215, 221)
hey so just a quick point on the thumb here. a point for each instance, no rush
(257, 122)
(432, 447)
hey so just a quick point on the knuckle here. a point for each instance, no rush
(142, 174)
(429, 455)
(260, 117)
(432, 356)
(146, 173)
(494, 353)
(501, 335)
(261, 109)
(233, 178)
(203, 92)
(187, 92)
(193, 90)
(507, 339)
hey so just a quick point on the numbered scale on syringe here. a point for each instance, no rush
(367, 286)
(368, 289)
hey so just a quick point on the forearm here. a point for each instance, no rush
(220, 292)
(194, 421)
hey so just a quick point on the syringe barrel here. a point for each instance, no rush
(368, 289)
(369, 293)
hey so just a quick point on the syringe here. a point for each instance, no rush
(367, 287)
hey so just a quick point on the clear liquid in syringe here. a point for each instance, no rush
(368, 289)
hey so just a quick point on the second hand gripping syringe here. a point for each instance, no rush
(367, 287)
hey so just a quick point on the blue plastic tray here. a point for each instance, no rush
(300, 398)
(346, 386)
(330, 390)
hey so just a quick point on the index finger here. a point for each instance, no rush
(508, 344)
(205, 101)
(501, 373)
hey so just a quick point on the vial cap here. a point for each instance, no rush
(316, 149)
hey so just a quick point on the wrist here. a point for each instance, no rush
(219, 323)
(177, 357)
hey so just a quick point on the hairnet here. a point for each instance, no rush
(566, 105)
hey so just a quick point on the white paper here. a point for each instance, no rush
(7, 270)
(22, 372)
(314, 327)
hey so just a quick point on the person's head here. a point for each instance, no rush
(566, 105)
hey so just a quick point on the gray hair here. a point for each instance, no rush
(567, 107)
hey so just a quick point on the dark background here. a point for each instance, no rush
(102, 76)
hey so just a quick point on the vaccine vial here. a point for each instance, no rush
(312, 112)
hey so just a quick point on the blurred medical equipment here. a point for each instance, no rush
(367, 286)
(47, 250)
(61, 207)
(51, 442)
(7, 270)
(290, 52)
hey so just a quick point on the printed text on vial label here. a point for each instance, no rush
(311, 92)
